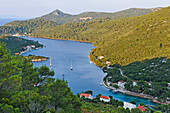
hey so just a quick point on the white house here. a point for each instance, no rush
(28, 47)
(101, 57)
(121, 84)
(104, 98)
(108, 62)
(168, 86)
(86, 95)
(134, 82)
(33, 46)
(129, 105)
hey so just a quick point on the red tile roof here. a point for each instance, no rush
(121, 81)
(141, 108)
(134, 80)
(104, 97)
(148, 82)
(34, 84)
(83, 94)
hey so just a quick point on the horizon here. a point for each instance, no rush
(36, 8)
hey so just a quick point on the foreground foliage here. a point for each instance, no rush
(32, 90)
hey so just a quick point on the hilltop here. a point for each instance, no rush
(61, 18)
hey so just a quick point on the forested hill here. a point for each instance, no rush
(27, 26)
(60, 17)
(120, 41)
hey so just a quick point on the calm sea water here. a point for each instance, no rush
(84, 76)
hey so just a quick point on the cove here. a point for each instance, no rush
(85, 75)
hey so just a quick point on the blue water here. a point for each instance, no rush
(85, 76)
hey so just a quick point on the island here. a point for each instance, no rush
(36, 58)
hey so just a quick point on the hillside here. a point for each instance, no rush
(16, 44)
(60, 17)
(27, 26)
(120, 41)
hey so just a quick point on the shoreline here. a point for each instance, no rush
(127, 93)
(63, 39)
(133, 94)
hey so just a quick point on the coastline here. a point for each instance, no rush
(127, 92)
(62, 39)
(133, 94)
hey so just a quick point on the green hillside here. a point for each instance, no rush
(16, 44)
(120, 41)
(60, 17)
(27, 27)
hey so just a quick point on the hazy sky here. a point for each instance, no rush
(34, 8)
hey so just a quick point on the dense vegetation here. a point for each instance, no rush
(26, 27)
(121, 41)
(156, 71)
(32, 90)
(16, 44)
(60, 17)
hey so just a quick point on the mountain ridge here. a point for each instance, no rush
(62, 18)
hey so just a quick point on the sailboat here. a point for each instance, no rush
(50, 64)
(71, 66)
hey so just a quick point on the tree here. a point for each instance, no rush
(133, 102)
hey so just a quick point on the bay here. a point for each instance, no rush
(85, 75)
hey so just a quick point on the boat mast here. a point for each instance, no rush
(50, 64)
(71, 66)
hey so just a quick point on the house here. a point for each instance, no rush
(121, 84)
(33, 46)
(35, 84)
(86, 95)
(134, 82)
(141, 108)
(149, 83)
(101, 57)
(104, 98)
(28, 47)
(129, 105)
(16, 53)
(108, 62)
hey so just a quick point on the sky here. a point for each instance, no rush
(36, 8)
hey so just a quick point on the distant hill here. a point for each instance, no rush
(61, 18)
(27, 26)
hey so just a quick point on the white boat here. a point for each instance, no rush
(91, 62)
(71, 66)
(101, 84)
